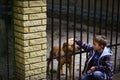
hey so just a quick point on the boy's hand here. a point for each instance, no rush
(92, 69)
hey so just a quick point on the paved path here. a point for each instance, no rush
(116, 76)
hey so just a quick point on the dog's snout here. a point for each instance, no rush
(78, 47)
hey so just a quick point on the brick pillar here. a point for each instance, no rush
(30, 39)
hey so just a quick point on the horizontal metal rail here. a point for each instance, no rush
(75, 53)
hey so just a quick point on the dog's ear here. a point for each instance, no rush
(64, 46)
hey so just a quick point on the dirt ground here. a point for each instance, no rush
(77, 35)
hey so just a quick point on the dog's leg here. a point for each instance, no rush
(48, 63)
(62, 71)
(57, 76)
(58, 71)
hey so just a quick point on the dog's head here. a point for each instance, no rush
(70, 46)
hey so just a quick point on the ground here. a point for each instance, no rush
(116, 76)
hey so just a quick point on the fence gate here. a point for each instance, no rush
(80, 19)
(6, 41)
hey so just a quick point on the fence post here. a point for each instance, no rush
(30, 39)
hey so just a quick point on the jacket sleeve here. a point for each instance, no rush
(84, 45)
(106, 64)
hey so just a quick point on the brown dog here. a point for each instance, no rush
(63, 51)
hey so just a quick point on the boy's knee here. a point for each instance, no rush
(98, 75)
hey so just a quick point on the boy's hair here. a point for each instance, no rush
(100, 39)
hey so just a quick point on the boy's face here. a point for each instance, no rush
(97, 47)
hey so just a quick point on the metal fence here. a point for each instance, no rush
(6, 41)
(81, 23)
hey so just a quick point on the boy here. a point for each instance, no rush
(98, 65)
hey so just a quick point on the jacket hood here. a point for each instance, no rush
(106, 51)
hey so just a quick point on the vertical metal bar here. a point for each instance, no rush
(100, 24)
(75, 5)
(111, 36)
(94, 25)
(0, 54)
(116, 35)
(67, 37)
(7, 18)
(60, 22)
(14, 63)
(119, 65)
(6, 22)
(106, 21)
(81, 27)
(52, 37)
(88, 15)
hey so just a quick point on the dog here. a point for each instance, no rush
(67, 48)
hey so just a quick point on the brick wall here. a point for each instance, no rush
(30, 39)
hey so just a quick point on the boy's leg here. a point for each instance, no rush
(88, 76)
(98, 75)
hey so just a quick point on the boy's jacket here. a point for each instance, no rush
(104, 62)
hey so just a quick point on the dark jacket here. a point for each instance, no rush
(104, 61)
